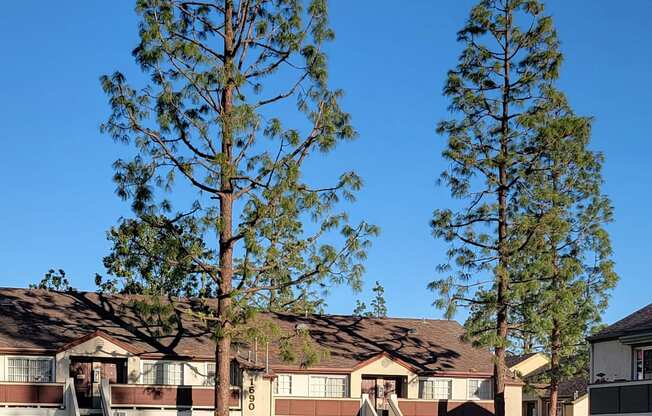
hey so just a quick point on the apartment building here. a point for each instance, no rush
(621, 367)
(78, 353)
(572, 400)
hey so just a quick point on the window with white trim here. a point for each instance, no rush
(480, 389)
(163, 373)
(328, 386)
(283, 385)
(436, 389)
(235, 374)
(29, 369)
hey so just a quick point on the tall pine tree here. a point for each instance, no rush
(568, 267)
(218, 168)
(510, 56)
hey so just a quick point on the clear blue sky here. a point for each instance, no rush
(390, 57)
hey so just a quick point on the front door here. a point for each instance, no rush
(380, 389)
(87, 374)
(82, 374)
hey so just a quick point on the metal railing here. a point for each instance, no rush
(621, 397)
(71, 398)
(366, 408)
(394, 409)
(105, 397)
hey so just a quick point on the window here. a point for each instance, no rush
(236, 380)
(435, 389)
(643, 363)
(327, 386)
(283, 385)
(29, 370)
(163, 372)
(560, 408)
(480, 389)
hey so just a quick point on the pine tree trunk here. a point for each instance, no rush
(503, 266)
(223, 355)
(555, 335)
(554, 369)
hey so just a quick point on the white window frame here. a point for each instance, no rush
(433, 380)
(181, 364)
(235, 376)
(469, 396)
(51, 360)
(285, 391)
(328, 377)
(208, 377)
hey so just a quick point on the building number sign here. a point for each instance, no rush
(252, 396)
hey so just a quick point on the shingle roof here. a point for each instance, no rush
(639, 321)
(567, 388)
(512, 360)
(46, 320)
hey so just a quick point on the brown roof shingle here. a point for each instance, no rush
(47, 321)
(639, 321)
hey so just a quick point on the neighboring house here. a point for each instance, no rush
(621, 366)
(573, 398)
(71, 353)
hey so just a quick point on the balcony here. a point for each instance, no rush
(31, 394)
(316, 407)
(185, 397)
(417, 407)
(621, 398)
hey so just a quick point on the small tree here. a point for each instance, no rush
(378, 306)
(510, 56)
(360, 308)
(241, 219)
(54, 280)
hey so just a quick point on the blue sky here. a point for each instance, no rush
(391, 59)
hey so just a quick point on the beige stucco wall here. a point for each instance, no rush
(530, 365)
(385, 367)
(96, 347)
(580, 407)
(513, 400)
(613, 359)
(256, 391)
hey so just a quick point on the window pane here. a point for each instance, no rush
(426, 389)
(436, 389)
(647, 364)
(210, 374)
(335, 387)
(163, 373)
(18, 369)
(318, 386)
(283, 385)
(480, 389)
(442, 389)
(34, 370)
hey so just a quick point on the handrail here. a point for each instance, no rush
(366, 409)
(394, 409)
(71, 398)
(105, 397)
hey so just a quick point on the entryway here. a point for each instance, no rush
(87, 374)
(380, 388)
